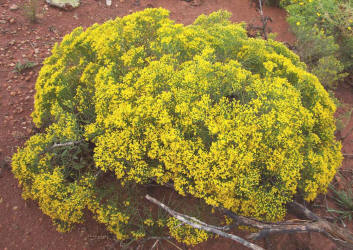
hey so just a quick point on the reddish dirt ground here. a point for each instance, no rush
(22, 224)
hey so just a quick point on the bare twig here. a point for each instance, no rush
(202, 226)
(155, 244)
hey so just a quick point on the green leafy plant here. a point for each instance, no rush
(22, 66)
(324, 30)
(329, 71)
(344, 199)
(232, 121)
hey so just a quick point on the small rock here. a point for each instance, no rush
(1, 200)
(12, 21)
(27, 98)
(27, 78)
(19, 110)
(13, 7)
(14, 208)
(130, 11)
(3, 21)
(13, 93)
(12, 65)
(108, 2)
(64, 4)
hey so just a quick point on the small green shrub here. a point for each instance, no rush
(344, 199)
(328, 69)
(22, 66)
(233, 121)
(324, 29)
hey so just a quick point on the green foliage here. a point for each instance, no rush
(22, 66)
(344, 199)
(325, 31)
(233, 121)
(328, 70)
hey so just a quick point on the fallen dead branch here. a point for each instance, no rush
(314, 223)
(203, 226)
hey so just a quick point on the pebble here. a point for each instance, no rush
(19, 110)
(28, 78)
(13, 7)
(12, 21)
(3, 21)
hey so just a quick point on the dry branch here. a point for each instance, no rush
(340, 236)
(201, 225)
(335, 233)
(264, 20)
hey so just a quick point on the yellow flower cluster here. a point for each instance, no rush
(235, 121)
(185, 233)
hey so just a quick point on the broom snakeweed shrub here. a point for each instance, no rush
(234, 121)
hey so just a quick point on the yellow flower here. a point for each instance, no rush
(318, 14)
(297, 23)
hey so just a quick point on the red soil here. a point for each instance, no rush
(22, 224)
